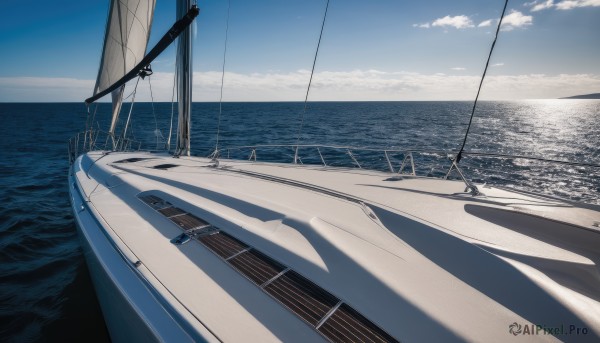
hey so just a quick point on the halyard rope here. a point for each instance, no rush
(459, 155)
(310, 80)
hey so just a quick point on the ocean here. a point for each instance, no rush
(45, 291)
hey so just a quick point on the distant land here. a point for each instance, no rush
(585, 96)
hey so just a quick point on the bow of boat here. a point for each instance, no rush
(295, 253)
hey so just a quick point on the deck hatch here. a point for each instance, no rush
(155, 202)
(188, 221)
(347, 325)
(134, 159)
(303, 297)
(223, 244)
(328, 315)
(256, 266)
(165, 166)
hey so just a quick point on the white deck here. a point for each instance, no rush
(417, 256)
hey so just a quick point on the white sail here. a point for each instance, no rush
(126, 38)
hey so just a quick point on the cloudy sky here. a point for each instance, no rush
(371, 50)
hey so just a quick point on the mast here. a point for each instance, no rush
(184, 82)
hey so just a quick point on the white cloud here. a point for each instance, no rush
(485, 23)
(570, 4)
(349, 85)
(540, 86)
(381, 85)
(458, 68)
(498, 64)
(516, 19)
(561, 5)
(511, 21)
(424, 26)
(542, 5)
(458, 22)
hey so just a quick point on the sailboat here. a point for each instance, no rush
(184, 248)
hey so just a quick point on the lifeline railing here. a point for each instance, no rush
(296, 158)
(91, 140)
(440, 163)
(408, 161)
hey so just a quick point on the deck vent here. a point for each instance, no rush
(223, 244)
(256, 266)
(347, 325)
(307, 300)
(328, 315)
(171, 211)
(188, 221)
(165, 166)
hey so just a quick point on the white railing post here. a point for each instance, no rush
(407, 156)
(387, 158)
(320, 155)
(354, 158)
(296, 155)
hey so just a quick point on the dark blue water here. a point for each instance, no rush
(45, 291)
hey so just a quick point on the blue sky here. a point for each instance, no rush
(371, 50)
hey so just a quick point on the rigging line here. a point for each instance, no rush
(92, 126)
(176, 152)
(153, 112)
(89, 126)
(147, 72)
(129, 115)
(87, 119)
(311, 75)
(216, 153)
(532, 158)
(130, 94)
(172, 112)
(459, 155)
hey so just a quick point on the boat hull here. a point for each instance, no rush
(132, 310)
